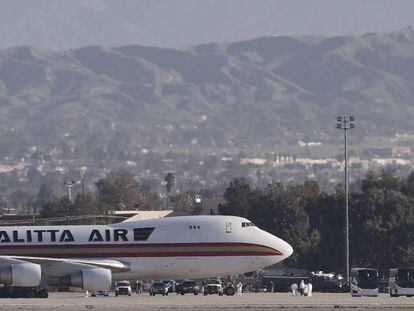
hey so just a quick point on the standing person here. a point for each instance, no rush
(306, 290)
(310, 287)
(302, 287)
(239, 288)
(294, 289)
(272, 286)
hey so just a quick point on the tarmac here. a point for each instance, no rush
(248, 301)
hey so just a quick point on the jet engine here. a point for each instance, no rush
(92, 279)
(21, 274)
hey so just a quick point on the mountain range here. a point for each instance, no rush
(256, 93)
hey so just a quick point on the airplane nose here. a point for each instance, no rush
(283, 247)
(287, 249)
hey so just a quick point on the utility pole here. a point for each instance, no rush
(69, 183)
(345, 124)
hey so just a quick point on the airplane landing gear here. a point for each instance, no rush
(42, 293)
(23, 292)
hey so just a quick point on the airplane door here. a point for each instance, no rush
(228, 227)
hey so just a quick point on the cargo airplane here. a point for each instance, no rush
(92, 256)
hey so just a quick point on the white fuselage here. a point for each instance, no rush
(166, 248)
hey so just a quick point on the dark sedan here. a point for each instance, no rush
(187, 287)
(158, 288)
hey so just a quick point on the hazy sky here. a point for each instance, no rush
(179, 23)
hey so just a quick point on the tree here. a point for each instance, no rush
(182, 201)
(238, 197)
(283, 214)
(44, 195)
(149, 200)
(327, 217)
(119, 189)
(85, 204)
(275, 209)
(34, 176)
(58, 208)
(122, 191)
(382, 215)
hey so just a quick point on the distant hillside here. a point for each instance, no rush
(59, 25)
(257, 93)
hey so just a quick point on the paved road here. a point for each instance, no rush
(249, 301)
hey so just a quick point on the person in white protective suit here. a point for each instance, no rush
(310, 287)
(294, 288)
(239, 287)
(305, 290)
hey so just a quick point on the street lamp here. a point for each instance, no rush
(69, 183)
(199, 204)
(345, 124)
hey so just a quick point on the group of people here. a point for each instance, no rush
(139, 289)
(304, 289)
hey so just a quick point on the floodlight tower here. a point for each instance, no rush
(69, 183)
(346, 123)
(198, 203)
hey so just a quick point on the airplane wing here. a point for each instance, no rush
(59, 267)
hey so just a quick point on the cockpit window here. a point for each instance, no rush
(248, 224)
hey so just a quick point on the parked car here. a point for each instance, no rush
(158, 288)
(187, 286)
(122, 288)
(213, 287)
(100, 293)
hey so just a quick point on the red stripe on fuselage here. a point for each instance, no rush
(95, 250)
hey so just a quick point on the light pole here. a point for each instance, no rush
(346, 123)
(198, 198)
(69, 183)
(199, 203)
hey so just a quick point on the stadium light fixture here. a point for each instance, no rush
(346, 123)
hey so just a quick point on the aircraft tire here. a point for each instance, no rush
(230, 291)
(4, 292)
(42, 293)
(30, 293)
(16, 293)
